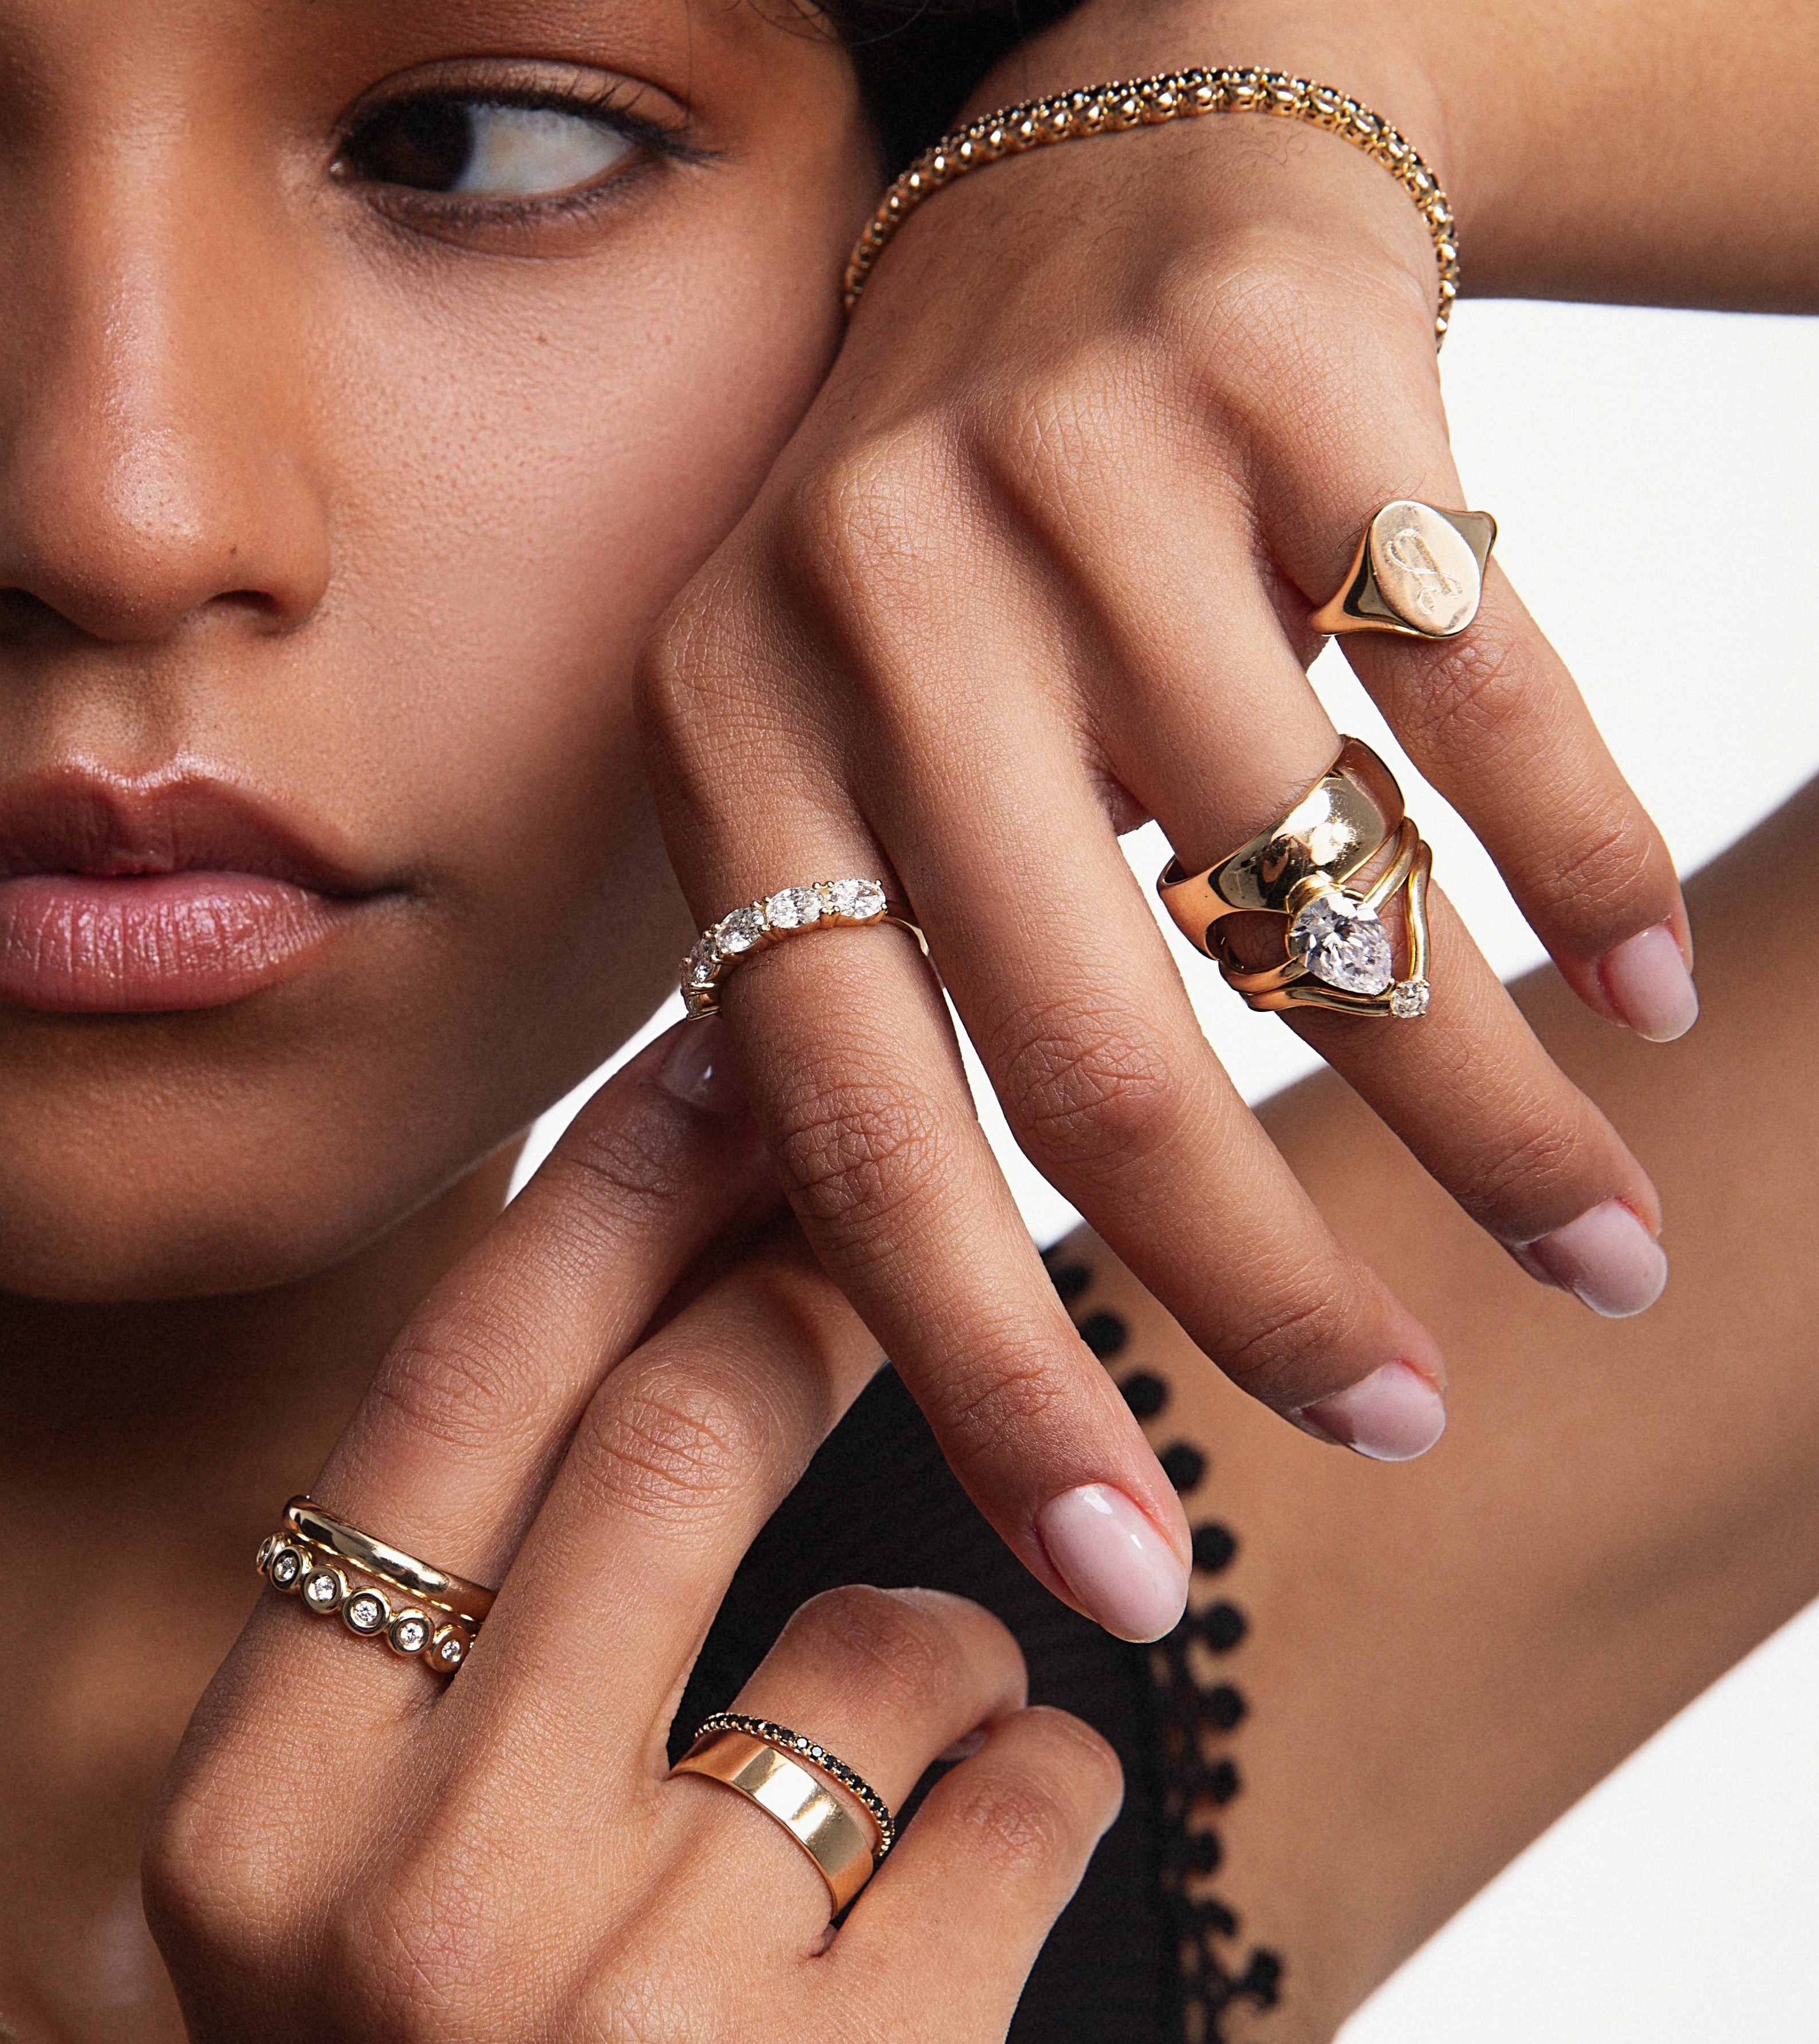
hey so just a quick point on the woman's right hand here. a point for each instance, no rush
(346, 1850)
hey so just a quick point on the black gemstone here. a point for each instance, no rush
(1144, 1394)
(1221, 1626)
(1070, 1280)
(1183, 1466)
(1213, 1547)
(1105, 1334)
(1223, 1706)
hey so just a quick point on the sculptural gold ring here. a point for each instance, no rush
(788, 1776)
(369, 1610)
(1418, 572)
(821, 904)
(1343, 853)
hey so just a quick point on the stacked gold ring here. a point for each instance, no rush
(420, 1611)
(1306, 867)
(786, 1774)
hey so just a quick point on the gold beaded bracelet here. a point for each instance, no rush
(1068, 116)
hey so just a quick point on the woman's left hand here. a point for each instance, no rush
(1039, 564)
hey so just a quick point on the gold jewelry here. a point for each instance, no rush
(1068, 116)
(300, 1569)
(468, 1601)
(1338, 953)
(781, 1771)
(1417, 570)
(823, 904)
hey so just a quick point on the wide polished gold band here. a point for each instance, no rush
(469, 1602)
(1417, 570)
(299, 1569)
(1104, 110)
(850, 903)
(788, 1778)
(1307, 867)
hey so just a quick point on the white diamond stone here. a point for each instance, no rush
(795, 908)
(320, 1589)
(738, 932)
(1344, 944)
(861, 900)
(698, 968)
(1408, 997)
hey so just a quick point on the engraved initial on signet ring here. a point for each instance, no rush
(1417, 570)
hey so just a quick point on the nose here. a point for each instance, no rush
(155, 456)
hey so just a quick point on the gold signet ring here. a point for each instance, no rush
(1417, 570)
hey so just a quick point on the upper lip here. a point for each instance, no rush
(74, 820)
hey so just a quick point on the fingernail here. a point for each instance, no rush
(1394, 1414)
(1649, 986)
(698, 1068)
(1608, 1257)
(1114, 1560)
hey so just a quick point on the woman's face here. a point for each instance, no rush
(372, 372)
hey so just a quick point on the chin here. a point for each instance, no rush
(141, 1226)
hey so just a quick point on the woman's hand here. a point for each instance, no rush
(348, 1849)
(1105, 430)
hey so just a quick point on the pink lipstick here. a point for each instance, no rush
(121, 897)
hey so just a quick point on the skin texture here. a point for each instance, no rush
(366, 512)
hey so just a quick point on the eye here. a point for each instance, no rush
(481, 148)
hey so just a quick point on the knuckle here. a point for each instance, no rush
(1287, 1348)
(459, 1381)
(1087, 1083)
(1015, 1823)
(858, 528)
(853, 1155)
(671, 1447)
(1609, 865)
(900, 1646)
(1528, 1174)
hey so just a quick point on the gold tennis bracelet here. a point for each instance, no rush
(1146, 103)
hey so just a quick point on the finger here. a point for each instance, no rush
(884, 1681)
(682, 1455)
(875, 1135)
(1474, 1095)
(1469, 1090)
(1494, 720)
(454, 1443)
(1492, 717)
(952, 1923)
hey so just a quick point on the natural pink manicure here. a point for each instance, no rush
(1648, 985)
(1607, 1256)
(1119, 1568)
(1394, 1414)
(698, 1069)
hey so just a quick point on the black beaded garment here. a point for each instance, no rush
(1146, 1952)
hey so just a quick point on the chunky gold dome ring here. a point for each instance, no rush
(1418, 572)
(1309, 868)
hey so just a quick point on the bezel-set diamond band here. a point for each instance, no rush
(419, 1611)
(850, 904)
(1309, 868)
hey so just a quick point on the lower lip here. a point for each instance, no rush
(78, 944)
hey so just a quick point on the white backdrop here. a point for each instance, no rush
(1612, 444)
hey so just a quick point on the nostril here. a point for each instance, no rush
(27, 620)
